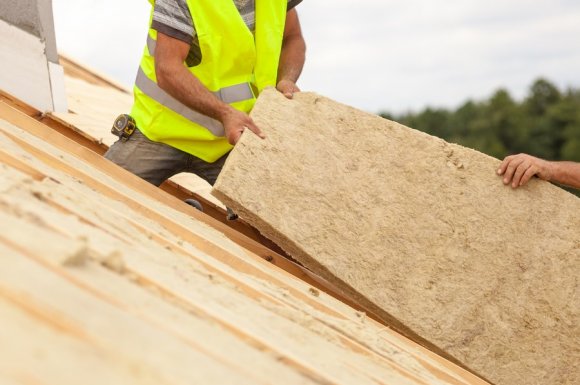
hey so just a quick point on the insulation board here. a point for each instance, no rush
(419, 230)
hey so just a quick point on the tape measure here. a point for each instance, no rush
(124, 126)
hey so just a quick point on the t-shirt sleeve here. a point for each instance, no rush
(293, 3)
(172, 18)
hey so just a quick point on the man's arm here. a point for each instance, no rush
(292, 56)
(174, 78)
(518, 169)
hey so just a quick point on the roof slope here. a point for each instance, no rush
(107, 279)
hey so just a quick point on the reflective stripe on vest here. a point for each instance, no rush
(151, 44)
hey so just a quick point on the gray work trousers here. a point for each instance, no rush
(155, 162)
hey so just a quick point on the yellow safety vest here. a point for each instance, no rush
(235, 65)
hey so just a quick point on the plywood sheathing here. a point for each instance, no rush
(74, 69)
(93, 108)
(123, 286)
(421, 231)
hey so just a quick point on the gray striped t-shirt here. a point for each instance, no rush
(172, 18)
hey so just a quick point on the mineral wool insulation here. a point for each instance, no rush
(421, 231)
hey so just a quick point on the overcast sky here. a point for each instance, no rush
(375, 54)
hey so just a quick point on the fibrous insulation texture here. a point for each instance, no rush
(419, 230)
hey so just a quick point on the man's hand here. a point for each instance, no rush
(288, 88)
(519, 169)
(235, 122)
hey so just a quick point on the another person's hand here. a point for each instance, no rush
(517, 170)
(235, 122)
(287, 88)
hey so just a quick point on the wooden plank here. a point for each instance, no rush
(13, 162)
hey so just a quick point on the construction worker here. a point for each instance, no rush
(203, 67)
(517, 170)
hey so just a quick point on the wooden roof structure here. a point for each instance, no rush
(106, 279)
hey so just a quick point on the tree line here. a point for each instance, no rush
(546, 123)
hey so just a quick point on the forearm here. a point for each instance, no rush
(293, 52)
(566, 173)
(292, 58)
(178, 82)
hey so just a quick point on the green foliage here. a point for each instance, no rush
(545, 124)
